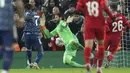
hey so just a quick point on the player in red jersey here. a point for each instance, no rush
(93, 28)
(114, 32)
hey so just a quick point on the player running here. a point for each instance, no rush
(6, 30)
(114, 32)
(93, 28)
(32, 36)
(70, 41)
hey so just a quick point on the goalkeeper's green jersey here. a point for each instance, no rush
(64, 32)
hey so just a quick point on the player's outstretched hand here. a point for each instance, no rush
(69, 19)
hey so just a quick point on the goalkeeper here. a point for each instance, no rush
(70, 41)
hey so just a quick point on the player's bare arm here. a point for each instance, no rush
(106, 9)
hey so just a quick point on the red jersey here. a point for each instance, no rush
(116, 27)
(93, 10)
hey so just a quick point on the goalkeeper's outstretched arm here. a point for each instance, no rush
(47, 33)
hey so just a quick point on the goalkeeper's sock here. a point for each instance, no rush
(39, 57)
(29, 56)
(7, 59)
(74, 64)
(87, 54)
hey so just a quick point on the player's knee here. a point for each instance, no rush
(72, 42)
(89, 43)
(112, 50)
(41, 54)
(66, 61)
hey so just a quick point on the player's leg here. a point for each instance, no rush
(89, 36)
(2, 50)
(100, 51)
(76, 45)
(8, 53)
(70, 52)
(112, 50)
(1, 47)
(28, 45)
(38, 46)
(94, 60)
(107, 42)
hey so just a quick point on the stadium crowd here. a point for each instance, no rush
(49, 8)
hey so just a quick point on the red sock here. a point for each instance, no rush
(87, 54)
(100, 55)
(100, 62)
(94, 61)
(100, 52)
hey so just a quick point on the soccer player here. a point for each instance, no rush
(70, 41)
(93, 28)
(32, 36)
(6, 27)
(114, 32)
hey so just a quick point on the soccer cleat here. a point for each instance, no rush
(35, 65)
(29, 66)
(110, 57)
(99, 70)
(88, 68)
(107, 64)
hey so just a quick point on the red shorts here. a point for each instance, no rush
(92, 33)
(111, 44)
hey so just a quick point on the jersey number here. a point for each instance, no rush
(36, 20)
(93, 8)
(2, 3)
(117, 26)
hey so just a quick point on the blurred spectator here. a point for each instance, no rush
(33, 3)
(51, 23)
(64, 4)
(76, 26)
(51, 4)
(39, 3)
(55, 10)
(69, 11)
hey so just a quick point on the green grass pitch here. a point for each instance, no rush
(69, 70)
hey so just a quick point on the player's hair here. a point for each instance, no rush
(28, 6)
(113, 6)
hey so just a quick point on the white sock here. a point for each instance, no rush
(4, 71)
(99, 69)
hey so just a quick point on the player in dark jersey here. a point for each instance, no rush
(6, 26)
(32, 35)
(94, 28)
(114, 32)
